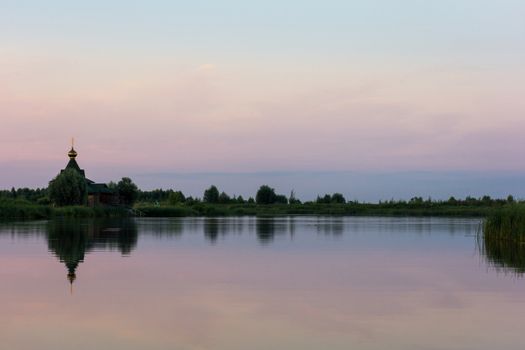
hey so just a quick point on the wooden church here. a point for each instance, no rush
(98, 193)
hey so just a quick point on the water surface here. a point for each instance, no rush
(248, 283)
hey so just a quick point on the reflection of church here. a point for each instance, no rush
(70, 240)
(98, 193)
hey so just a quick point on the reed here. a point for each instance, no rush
(503, 239)
(507, 224)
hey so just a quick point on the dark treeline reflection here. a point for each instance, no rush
(70, 240)
(265, 228)
(211, 229)
(504, 255)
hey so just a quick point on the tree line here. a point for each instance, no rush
(265, 195)
(70, 188)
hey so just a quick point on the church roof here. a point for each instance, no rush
(72, 164)
(98, 188)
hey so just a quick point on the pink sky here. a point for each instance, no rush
(217, 118)
(424, 89)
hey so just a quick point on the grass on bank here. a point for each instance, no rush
(507, 223)
(503, 241)
(349, 209)
(25, 210)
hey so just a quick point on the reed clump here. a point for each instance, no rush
(506, 224)
(505, 255)
(503, 239)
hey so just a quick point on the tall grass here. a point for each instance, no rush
(503, 241)
(88, 212)
(21, 209)
(332, 209)
(506, 224)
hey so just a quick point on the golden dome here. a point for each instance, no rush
(72, 153)
(71, 277)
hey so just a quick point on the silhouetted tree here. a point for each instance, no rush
(211, 195)
(416, 200)
(338, 198)
(292, 199)
(176, 197)
(326, 199)
(224, 198)
(265, 195)
(281, 199)
(127, 191)
(68, 188)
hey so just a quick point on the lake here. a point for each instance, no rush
(258, 283)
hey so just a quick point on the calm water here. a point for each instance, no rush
(247, 283)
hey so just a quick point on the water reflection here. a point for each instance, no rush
(70, 240)
(211, 229)
(336, 283)
(506, 256)
(334, 226)
(265, 230)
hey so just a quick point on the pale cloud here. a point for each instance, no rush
(206, 67)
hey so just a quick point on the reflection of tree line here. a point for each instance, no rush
(213, 228)
(331, 225)
(266, 229)
(70, 240)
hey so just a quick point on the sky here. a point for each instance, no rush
(402, 97)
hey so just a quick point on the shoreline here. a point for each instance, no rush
(25, 211)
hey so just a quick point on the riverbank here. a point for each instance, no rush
(26, 210)
(349, 209)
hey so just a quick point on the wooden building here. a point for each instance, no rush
(98, 193)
